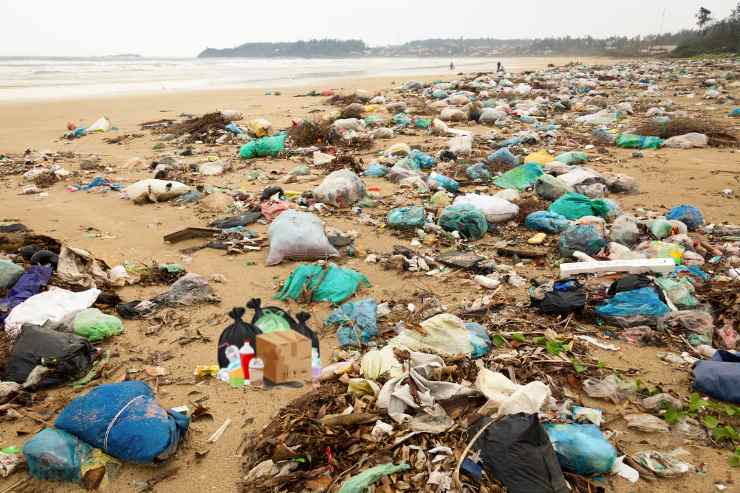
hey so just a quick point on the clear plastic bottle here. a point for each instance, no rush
(256, 373)
(315, 366)
(232, 354)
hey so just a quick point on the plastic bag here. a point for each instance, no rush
(445, 334)
(263, 147)
(467, 219)
(154, 190)
(271, 318)
(461, 145)
(126, 421)
(259, 127)
(52, 305)
(478, 172)
(646, 423)
(539, 157)
(406, 218)
(29, 284)
(574, 206)
(94, 325)
(680, 292)
(361, 482)
(235, 334)
(67, 356)
(642, 302)
(102, 124)
(322, 283)
(9, 273)
(504, 156)
(586, 238)
(421, 160)
(572, 157)
(548, 222)
(297, 235)
(632, 141)
(496, 210)
(479, 339)
(687, 214)
(190, 289)
(697, 324)
(625, 230)
(518, 452)
(664, 465)
(376, 170)
(582, 448)
(551, 188)
(340, 188)
(444, 182)
(520, 178)
(687, 141)
(611, 388)
(720, 377)
(357, 322)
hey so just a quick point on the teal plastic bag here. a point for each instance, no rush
(402, 119)
(55, 455)
(357, 322)
(467, 219)
(421, 160)
(321, 283)
(521, 177)
(9, 274)
(94, 325)
(376, 170)
(575, 206)
(632, 141)
(266, 146)
(445, 182)
(642, 302)
(406, 217)
(581, 448)
(585, 238)
(422, 123)
(572, 157)
(478, 172)
(547, 222)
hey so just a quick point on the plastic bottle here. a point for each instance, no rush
(246, 353)
(315, 365)
(232, 354)
(256, 373)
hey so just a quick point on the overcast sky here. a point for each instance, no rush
(185, 27)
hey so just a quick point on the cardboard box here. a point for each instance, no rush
(287, 356)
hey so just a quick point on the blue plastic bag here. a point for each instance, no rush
(478, 172)
(585, 238)
(720, 377)
(421, 160)
(126, 421)
(479, 339)
(29, 284)
(445, 182)
(687, 214)
(547, 222)
(55, 455)
(735, 113)
(376, 170)
(582, 448)
(357, 321)
(234, 129)
(406, 217)
(504, 156)
(643, 302)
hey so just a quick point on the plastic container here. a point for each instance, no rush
(257, 373)
(246, 354)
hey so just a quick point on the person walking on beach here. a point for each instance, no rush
(452, 65)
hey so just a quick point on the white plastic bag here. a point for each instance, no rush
(102, 124)
(297, 235)
(155, 190)
(687, 141)
(445, 335)
(462, 145)
(453, 115)
(341, 188)
(495, 209)
(50, 306)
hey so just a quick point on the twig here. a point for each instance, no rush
(218, 433)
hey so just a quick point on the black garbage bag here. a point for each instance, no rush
(634, 281)
(306, 331)
(235, 335)
(518, 452)
(567, 296)
(67, 356)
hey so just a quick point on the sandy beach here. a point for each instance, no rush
(116, 231)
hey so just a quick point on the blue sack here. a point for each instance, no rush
(687, 214)
(125, 421)
(547, 222)
(479, 339)
(720, 377)
(421, 160)
(29, 284)
(582, 448)
(357, 320)
(643, 302)
(376, 170)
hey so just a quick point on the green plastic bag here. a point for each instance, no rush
(266, 146)
(521, 177)
(322, 283)
(406, 217)
(572, 157)
(632, 141)
(467, 219)
(94, 325)
(574, 206)
(423, 122)
(361, 482)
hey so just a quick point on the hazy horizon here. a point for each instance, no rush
(163, 29)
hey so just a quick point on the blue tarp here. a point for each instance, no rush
(720, 377)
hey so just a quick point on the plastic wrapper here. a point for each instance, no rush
(504, 156)
(611, 388)
(340, 188)
(297, 235)
(632, 141)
